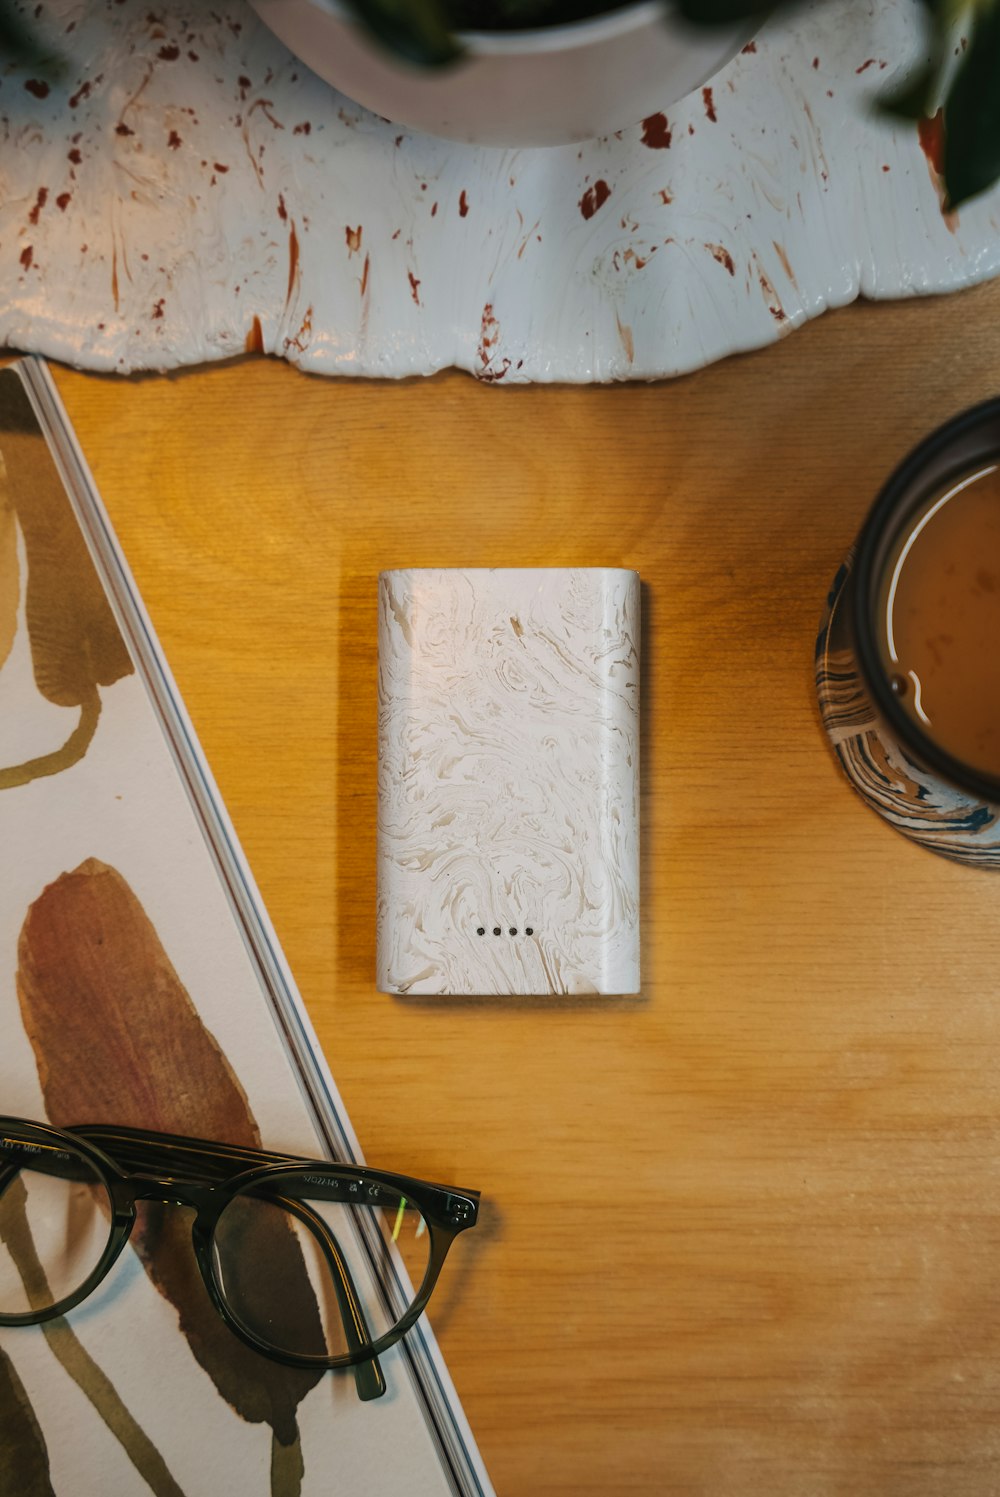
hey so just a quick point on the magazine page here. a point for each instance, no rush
(141, 986)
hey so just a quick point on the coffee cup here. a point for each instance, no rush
(908, 653)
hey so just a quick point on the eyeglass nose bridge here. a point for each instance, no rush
(206, 1200)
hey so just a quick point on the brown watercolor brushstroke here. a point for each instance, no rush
(76, 645)
(24, 1456)
(15, 1233)
(117, 1039)
(287, 1469)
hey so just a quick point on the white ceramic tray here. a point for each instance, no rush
(189, 191)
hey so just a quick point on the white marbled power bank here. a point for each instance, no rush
(508, 811)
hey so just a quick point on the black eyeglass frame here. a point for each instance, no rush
(137, 1164)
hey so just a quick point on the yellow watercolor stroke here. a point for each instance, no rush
(76, 645)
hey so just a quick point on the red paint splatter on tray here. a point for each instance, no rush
(122, 129)
(414, 287)
(709, 103)
(779, 250)
(302, 337)
(27, 255)
(169, 54)
(63, 201)
(815, 62)
(489, 335)
(173, 140)
(594, 198)
(304, 129)
(664, 196)
(868, 63)
(74, 156)
(255, 337)
(627, 340)
(656, 133)
(244, 86)
(463, 204)
(353, 237)
(219, 167)
(158, 309)
(750, 47)
(265, 106)
(83, 92)
(38, 87)
(364, 275)
(293, 261)
(282, 210)
(40, 201)
(721, 255)
(774, 306)
(930, 133)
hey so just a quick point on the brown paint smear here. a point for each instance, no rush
(24, 1458)
(117, 1039)
(76, 646)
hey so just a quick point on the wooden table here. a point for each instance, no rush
(743, 1233)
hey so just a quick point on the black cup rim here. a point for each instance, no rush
(906, 477)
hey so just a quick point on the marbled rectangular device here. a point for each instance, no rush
(508, 812)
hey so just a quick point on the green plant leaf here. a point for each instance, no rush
(914, 98)
(18, 42)
(724, 12)
(416, 30)
(919, 94)
(972, 114)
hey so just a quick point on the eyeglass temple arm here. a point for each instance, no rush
(367, 1375)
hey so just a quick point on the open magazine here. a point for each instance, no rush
(141, 986)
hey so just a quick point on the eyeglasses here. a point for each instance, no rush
(313, 1264)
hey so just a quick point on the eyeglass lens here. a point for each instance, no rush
(308, 1276)
(55, 1223)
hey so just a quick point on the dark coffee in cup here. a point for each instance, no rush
(938, 618)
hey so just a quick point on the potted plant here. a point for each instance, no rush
(506, 72)
(542, 72)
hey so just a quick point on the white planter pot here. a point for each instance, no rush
(521, 88)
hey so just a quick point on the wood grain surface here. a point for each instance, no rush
(742, 1233)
